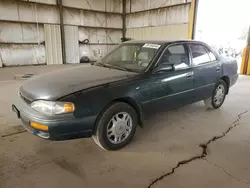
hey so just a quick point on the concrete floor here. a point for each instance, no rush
(167, 152)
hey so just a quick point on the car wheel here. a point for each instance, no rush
(116, 126)
(218, 97)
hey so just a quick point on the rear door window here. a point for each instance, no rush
(211, 54)
(199, 54)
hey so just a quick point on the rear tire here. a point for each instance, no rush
(116, 126)
(218, 97)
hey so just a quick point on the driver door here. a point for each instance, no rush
(172, 88)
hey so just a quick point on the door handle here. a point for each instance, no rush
(190, 75)
(217, 69)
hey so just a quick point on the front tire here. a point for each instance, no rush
(116, 126)
(218, 97)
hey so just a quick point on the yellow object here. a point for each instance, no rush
(135, 54)
(245, 66)
(248, 63)
(191, 19)
(69, 107)
(39, 126)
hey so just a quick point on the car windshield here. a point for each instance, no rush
(130, 57)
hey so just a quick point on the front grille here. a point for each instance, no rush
(25, 99)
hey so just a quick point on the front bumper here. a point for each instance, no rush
(60, 127)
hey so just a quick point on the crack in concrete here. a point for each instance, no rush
(204, 151)
(11, 134)
(223, 169)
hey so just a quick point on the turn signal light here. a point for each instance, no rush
(68, 107)
(39, 126)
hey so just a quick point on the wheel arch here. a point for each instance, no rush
(227, 81)
(130, 101)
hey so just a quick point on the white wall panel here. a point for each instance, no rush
(22, 54)
(113, 6)
(72, 44)
(53, 2)
(167, 32)
(20, 11)
(164, 23)
(166, 16)
(85, 18)
(49, 30)
(8, 10)
(95, 52)
(49, 14)
(21, 33)
(128, 7)
(139, 5)
(101, 5)
(1, 60)
(39, 13)
(100, 35)
(53, 44)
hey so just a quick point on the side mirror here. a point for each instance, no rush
(165, 67)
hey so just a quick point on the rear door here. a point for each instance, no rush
(207, 70)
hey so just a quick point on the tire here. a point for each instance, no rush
(212, 103)
(84, 59)
(116, 126)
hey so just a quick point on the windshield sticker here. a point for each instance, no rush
(155, 46)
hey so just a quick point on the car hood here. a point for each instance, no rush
(54, 85)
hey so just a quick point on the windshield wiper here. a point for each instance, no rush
(107, 65)
(117, 67)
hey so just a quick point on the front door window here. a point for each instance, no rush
(176, 55)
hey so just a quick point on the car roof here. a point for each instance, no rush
(161, 41)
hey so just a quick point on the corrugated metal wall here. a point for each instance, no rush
(102, 41)
(72, 43)
(95, 52)
(92, 19)
(23, 31)
(12, 54)
(21, 44)
(42, 1)
(1, 61)
(158, 19)
(159, 32)
(100, 35)
(53, 44)
(28, 12)
(23, 26)
(99, 5)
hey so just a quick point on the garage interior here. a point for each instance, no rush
(185, 147)
(59, 32)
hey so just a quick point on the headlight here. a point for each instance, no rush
(52, 108)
